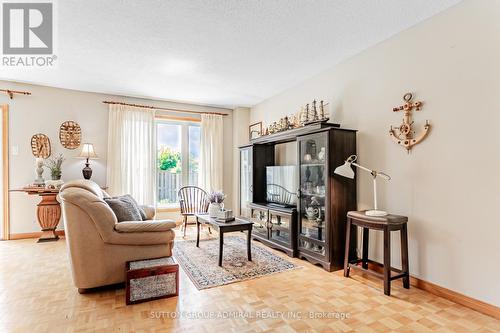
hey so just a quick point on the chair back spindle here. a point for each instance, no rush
(192, 200)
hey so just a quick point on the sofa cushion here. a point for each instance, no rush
(125, 208)
(145, 226)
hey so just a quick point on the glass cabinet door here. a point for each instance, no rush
(260, 219)
(313, 150)
(245, 181)
(280, 227)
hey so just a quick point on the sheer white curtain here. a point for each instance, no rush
(211, 159)
(131, 153)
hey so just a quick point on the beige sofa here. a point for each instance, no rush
(98, 245)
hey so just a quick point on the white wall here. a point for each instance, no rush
(449, 184)
(43, 112)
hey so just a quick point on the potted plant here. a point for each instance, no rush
(54, 165)
(216, 199)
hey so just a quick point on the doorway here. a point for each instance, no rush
(4, 182)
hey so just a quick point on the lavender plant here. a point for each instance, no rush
(216, 197)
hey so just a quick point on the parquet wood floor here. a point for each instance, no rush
(37, 295)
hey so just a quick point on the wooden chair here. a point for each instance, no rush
(192, 200)
(278, 194)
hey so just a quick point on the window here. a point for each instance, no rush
(178, 147)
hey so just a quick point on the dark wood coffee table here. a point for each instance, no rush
(239, 224)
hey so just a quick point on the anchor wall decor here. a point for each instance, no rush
(404, 135)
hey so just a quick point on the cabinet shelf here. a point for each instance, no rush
(280, 238)
(310, 194)
(312, 240)
(310, 224)
(280, 228)
(312, 164)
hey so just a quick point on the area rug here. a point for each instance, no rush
(201, 264)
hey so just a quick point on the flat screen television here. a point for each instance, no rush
(281, 188)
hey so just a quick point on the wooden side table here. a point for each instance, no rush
(48, 211)
(386, 224)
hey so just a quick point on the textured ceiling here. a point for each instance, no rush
(218, 52)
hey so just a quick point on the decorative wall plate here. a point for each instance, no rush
(70, 135)
(40, 145)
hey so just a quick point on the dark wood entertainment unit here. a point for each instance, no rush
(314, 226)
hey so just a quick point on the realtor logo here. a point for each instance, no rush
(27, 28)
(28, 34)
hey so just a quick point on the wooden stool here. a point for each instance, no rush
(386, 224)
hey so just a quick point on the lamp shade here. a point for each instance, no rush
(345, 170)
(88, 151)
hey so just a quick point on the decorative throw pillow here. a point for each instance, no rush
(124, 208)
(133, 201)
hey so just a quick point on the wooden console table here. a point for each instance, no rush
(48, 211)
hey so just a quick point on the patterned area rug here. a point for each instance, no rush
(201, 264)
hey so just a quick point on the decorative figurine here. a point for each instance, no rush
(315, 116)
(314, 112)
(308, 182)
(303, 116)
(39, 181)
(320, 188)
(322, 115)
(283, 125)
(321, 154)
(313, 211)
(272, 128)
(293, 121)
(54, 184)
(405, 136)
(311, 149)
(320, 176)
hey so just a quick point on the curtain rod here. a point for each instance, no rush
(11, 93)
(166, 109)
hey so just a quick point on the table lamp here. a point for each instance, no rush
(88, 153)
(347, 171)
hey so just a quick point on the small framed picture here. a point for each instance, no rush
(255, 130)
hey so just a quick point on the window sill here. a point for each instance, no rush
(166, 209)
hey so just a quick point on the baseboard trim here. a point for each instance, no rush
(472, 303)
(28, 235)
